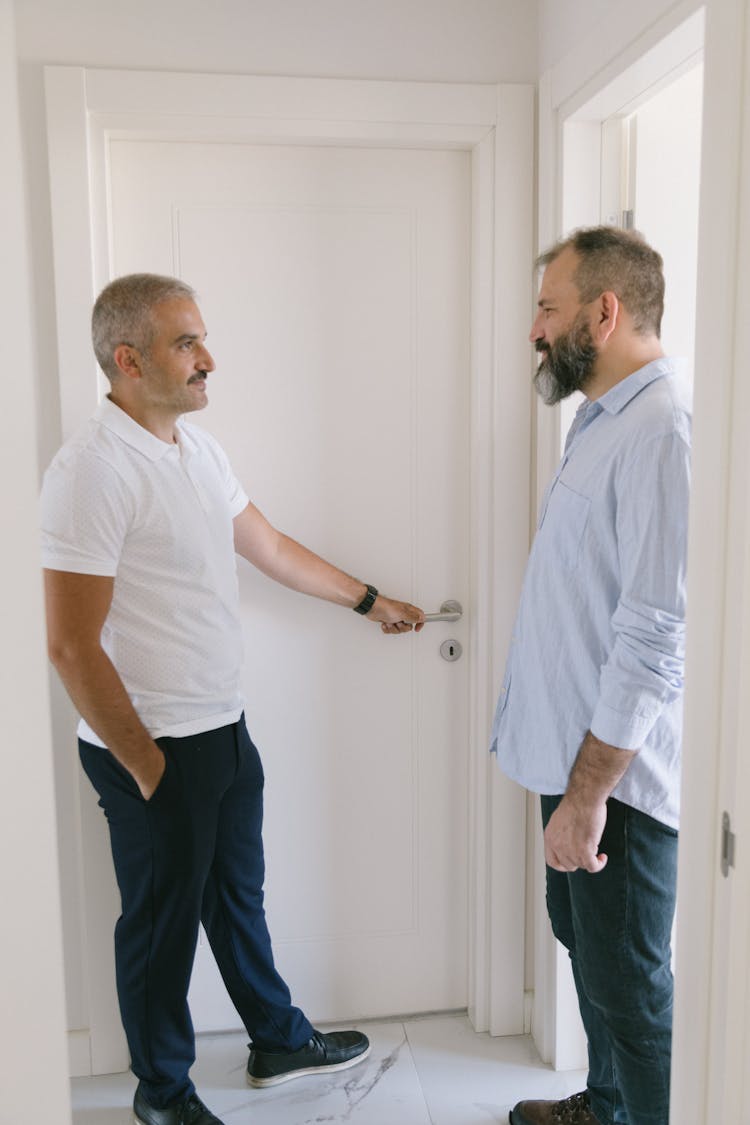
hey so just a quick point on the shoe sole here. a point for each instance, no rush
(277, 1079)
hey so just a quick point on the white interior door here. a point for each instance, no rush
(334, 283)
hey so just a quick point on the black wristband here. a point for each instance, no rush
(368, 601)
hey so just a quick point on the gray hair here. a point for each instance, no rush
(122, 314)
(622, 262)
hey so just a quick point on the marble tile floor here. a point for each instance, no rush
(429, 1070)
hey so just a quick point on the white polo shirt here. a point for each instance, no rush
(157, 518)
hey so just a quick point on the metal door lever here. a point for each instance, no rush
(449, 611)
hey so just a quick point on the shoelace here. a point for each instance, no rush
(319, 1042)
(191, 1110)
(575, 1110)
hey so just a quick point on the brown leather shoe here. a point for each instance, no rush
(574, 1110)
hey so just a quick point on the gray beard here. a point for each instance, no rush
(568, 365)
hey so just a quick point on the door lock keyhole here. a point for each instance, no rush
(451, 650)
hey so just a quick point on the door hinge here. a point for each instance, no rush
(728, 840)
(627, 220)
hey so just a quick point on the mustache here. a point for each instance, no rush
(198, 375)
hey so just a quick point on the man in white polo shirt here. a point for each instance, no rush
(142, 517)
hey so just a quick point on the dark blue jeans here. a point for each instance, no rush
(192, 853)
(617, 927)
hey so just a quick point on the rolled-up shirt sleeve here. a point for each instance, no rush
(645, 668)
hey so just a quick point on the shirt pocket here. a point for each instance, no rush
(564, 522)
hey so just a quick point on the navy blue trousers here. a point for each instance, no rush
(192, 853)
(617, 927)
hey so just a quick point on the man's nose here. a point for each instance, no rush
(537, 332)
(206, 360)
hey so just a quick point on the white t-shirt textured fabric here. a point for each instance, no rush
(119, 502)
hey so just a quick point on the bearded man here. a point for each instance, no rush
(590, 711)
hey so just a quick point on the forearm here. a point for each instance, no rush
(597, 770)
(286, 561)
(99, 695)
(300, 569)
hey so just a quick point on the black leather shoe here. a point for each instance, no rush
(188, 1111)
(336, 1050)
(574, 1110)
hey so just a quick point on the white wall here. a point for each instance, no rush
(34, 1063)
(592, 31)
(419, 40)
(667, 189)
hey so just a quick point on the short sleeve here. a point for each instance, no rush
(236, 497)
(85, 515)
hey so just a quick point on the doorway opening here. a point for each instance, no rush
(625, 150)
(637, 166)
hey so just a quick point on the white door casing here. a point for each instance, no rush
(88, 109)
(712, 1021)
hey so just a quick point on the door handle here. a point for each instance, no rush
(449, 611)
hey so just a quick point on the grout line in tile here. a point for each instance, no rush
(425, 1099)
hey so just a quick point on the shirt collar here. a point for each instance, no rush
(618, 397)
(115, 419)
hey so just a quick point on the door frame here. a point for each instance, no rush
(574, 101)
(86, 108)
(712, 1025)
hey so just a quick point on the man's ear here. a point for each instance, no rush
(607, 316)
(128, 360)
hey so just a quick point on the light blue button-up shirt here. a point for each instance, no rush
(599, 639)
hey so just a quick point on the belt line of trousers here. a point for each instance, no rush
(192, 853)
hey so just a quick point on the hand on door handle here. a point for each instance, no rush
(449, 611)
